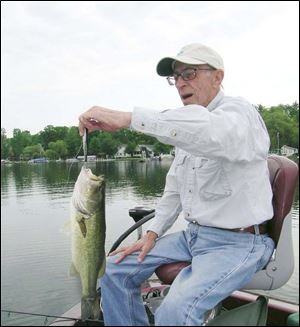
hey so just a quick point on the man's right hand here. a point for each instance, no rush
(144, 245)
(100, 118)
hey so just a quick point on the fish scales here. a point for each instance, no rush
(88, 238)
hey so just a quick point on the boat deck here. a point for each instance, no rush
(278, 311)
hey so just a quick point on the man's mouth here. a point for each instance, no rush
(186, 96)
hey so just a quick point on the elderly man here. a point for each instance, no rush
(219, 180)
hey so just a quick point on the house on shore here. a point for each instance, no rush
(142, 151)
(288, 150)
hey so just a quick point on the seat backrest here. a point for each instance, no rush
(283, 179)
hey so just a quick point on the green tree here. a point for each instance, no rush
(33, 151)
(4, 144)
(73, 141)
(20, 140)
(130, 148)
(292, 111)
(36, 139)
(94, 146)
(123, 135)
(60, 148)
(159, 148)
(260, 108)
(281, 127)
(282, 122)
(51, 154)
(52, 134)
(108, 145)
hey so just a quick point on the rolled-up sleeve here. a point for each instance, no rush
(229, 134)
(232, 130)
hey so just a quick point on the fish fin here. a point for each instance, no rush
(90, 308)
(102, 269)
(82, 227)
(66, 227)
(73, 271)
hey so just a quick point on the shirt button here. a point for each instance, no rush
(142, 125)
(190, 191)
(173, 132)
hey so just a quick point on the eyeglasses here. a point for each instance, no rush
(187, 75)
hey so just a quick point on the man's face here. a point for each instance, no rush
(200, 90)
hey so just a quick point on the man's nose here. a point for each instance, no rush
(180, 82)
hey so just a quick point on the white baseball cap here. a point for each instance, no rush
(193, 54)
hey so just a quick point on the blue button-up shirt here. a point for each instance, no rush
(219, 176)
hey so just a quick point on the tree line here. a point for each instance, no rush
(61, 142)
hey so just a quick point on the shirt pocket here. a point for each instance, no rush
(212, 180)
(180, 169)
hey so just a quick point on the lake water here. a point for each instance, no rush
(35, 250)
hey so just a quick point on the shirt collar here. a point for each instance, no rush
(215, 101)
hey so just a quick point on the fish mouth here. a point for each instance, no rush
(93, 177)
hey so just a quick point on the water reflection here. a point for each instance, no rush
(146, 179)
(35, 255)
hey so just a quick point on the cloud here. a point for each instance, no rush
(60, 58)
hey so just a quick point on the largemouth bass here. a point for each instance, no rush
(88, 238)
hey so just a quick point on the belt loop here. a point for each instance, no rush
(256, 228)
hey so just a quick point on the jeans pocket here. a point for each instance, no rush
(269, 249)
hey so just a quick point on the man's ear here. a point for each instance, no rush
(218, 78)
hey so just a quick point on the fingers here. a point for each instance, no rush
(91, 124)
(105, 119)
(81, 129)
(121, 257)
(144, 246)
(121, 249)
(88, 120)
(145, 250)
(125, 251)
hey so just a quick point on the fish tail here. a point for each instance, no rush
(90, 308)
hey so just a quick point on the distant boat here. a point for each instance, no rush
(71, 160)
(38, 160)
(4, 161)
(89, 158)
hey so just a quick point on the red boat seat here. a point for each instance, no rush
(283, 178)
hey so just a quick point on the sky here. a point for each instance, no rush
(60, 58)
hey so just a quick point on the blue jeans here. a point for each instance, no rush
(221, 262)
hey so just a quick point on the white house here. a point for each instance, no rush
(288, 150)
(140, 151)
(121, 152)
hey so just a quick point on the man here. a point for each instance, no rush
(218, 179)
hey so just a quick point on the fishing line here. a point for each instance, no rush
(84, 146)
(69, 171)
(61, 318)
(38, 314)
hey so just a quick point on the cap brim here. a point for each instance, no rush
(164, 66)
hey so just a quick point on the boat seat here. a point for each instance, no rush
(283, 178)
